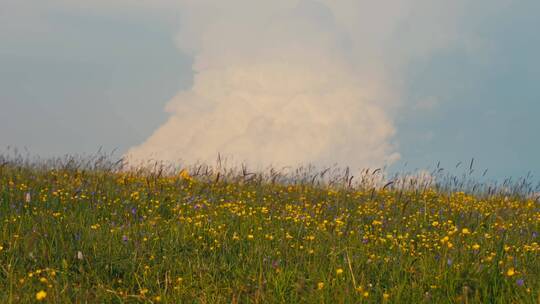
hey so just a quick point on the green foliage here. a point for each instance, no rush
(109, 236)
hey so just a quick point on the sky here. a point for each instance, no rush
(405, 83)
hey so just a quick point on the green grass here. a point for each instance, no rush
(106, 236)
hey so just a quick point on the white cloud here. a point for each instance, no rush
(289, 82)
(275, 84)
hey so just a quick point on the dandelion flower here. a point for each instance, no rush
(511, 272)
(339, 271)
(41, 295)
(320, 285)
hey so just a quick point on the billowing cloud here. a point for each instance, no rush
(274, 85)
(291, 82)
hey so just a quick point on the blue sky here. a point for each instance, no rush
(491, 109)
(98, 78)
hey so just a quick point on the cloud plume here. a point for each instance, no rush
(291, 82)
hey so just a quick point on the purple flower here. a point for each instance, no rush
(520, 282)
(449, 262)
(134, 211)
(124, 238)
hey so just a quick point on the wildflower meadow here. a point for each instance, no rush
(75, 232)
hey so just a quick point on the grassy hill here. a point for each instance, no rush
(76, 234)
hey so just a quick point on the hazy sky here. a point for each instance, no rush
(435, 83)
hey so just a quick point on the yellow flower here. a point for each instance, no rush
(511, 271)
(386, 296)
(320, 285)
(185, 174)
(465, 231)
(339, 271)
(435, 224)
(250, 236)
(475, 246)
(41, 295)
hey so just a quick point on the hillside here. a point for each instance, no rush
(102, 235)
